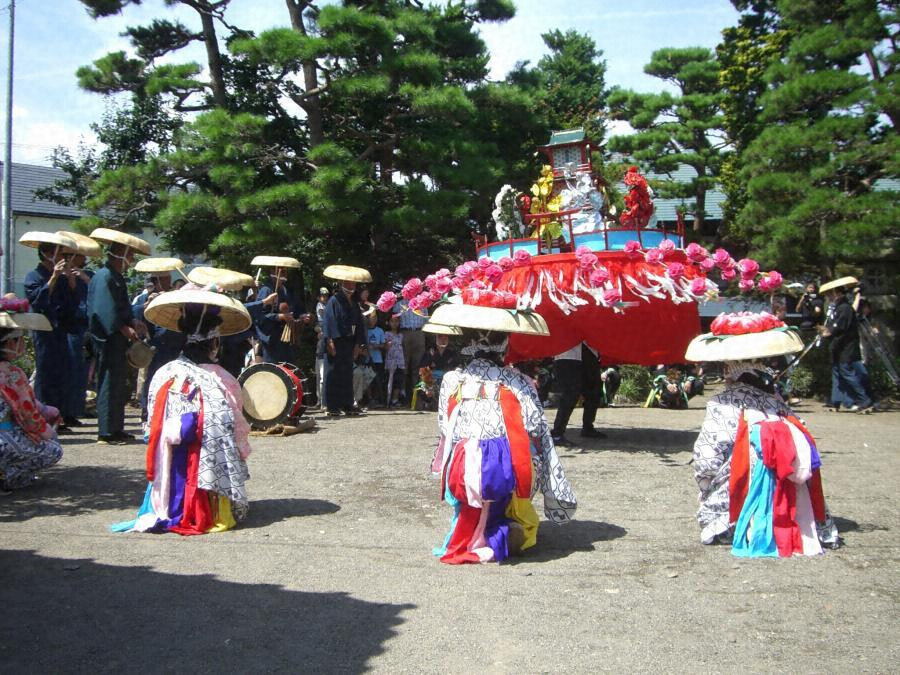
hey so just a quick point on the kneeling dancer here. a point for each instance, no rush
(198, 440)
(28, 440)
(755, 462)
(495, 448)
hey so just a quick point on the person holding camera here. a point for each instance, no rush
(811, 307)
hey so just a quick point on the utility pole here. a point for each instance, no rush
(6, 264)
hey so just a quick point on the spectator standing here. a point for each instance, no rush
(577, 371)
(413, 340)
(842, 328)
(811, 307)
(345, 338)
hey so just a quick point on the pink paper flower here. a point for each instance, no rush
(387, 301)
(443, 285)
(698, 286)
(484, 262)
(443, 272)
(675, 270)
(464, 271)
(434, 295)
(599, 276)
(722, 258)
(587, 261)
(775, 279)
(506, 263)
(741, 323)
(654, 255)
(582, 250)
(412, 288)
(478, 284)
(633, 248)
(522, 257)
(746, 285)
(494, 273)
(696, 253)
(611, 296)
(423, 301)
(729, 273)
(748, 268)
(666, 245)
(429, 281)
(458, 284)
(708, 264)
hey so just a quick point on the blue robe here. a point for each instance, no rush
(269, 327)
(342, 323)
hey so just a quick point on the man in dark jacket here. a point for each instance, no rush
(345, 336)
(843, 329)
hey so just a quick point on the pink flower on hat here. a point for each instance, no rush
(494, 273)
(587, 261)
(464, 271)
(484, 262)
(633, 248)
(746, 285)
(506, 263)
(666, 245)
(696, 253)
(387, 301)
(443, 285)
(443, 272)
(412, 288)
(729, 273)
(722, 258)
(611, 296)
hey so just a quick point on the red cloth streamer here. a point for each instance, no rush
(778, 453)
(519, 443)
(648, 333)
(467, 521)
(156, 425)
(739, 479)
(198, 517)
(814, 484)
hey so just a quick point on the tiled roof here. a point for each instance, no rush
(26, 178)
(566, 136)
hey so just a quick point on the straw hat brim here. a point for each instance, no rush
(85, 245)
(490, 318)
(275, 261)
(746, 347)
(25, 321)
(157, 265)
(108, 236)
(35, 239)
(166, 310)
(347, 273)
(837, 283)
(226, 280)
(438, 329)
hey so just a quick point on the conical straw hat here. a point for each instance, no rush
(167, 308)
(108, 236)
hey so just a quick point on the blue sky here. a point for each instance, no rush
(54, 37)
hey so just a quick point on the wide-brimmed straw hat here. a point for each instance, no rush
(438, 329)
(108, 236)
(744, 337)
(14, 314)
(347, 273)
(490, 318)
(158, 265)
(838, 283)
(167, 309)
(275, 261)
(85, 245)
(225, 280)
(36, 239)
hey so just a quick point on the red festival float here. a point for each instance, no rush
(625, 287)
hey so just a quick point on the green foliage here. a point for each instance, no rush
(636, 383)
(825, 132)
(676, 129)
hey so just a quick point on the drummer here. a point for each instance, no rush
(112, 326)
(274, 328)
(344, 334)
(196, 455)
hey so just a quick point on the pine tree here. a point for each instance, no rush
(676, 129)
(827, 135)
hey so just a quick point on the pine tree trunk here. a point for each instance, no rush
(700, 210)
(213, 57)
(311, 105)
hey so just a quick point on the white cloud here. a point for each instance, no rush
(34, 140)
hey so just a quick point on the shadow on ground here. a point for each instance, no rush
(660, 442)
(267, 511)
(560, 541)
(78, 615)
(75, 490)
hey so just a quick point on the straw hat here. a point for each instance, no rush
(35, 239)
(837, 283)
(167, 308)
(85, 245)
(275, 261)
(744, 337)
(11, 318)
(489, 318)
(438, 329)
(158, 265)
(108, 236)
(347, 273)
(226, 280)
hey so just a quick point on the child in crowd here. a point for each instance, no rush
(394, 362)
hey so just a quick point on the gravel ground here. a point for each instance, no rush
(333, 572)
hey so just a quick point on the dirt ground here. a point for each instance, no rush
(332, 572)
